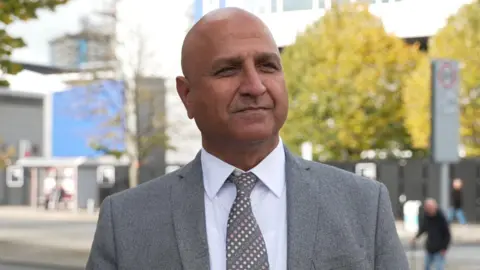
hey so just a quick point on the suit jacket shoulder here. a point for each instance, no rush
(355, 223)
(155, 191)
(347, 185)
(136, 228)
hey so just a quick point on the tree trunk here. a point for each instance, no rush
(133, 174)
(131, 134)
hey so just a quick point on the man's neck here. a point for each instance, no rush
(244, 156)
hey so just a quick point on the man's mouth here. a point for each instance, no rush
(253, 109)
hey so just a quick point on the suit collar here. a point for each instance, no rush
(302, 212)
(189, 216)
(216, 171)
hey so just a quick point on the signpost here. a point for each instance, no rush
(15, 177)
(368, 170)
(445, 121)
(106, 176)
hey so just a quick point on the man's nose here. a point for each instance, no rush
(252, 83)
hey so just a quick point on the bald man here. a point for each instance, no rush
(436, 227)
(245, 201)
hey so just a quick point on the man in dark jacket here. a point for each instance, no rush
(456, 209)
(436, 227)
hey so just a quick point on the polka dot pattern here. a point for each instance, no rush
(245, 244)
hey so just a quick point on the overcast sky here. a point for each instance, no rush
(37, 33)
(66, 19)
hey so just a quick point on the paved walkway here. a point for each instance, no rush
(63, 239)
(28, 213)
(461, 234)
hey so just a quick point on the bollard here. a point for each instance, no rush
(90, 206)
(410, 215)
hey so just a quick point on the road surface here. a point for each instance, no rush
(11, 267)
(458, 258)
(46, 237)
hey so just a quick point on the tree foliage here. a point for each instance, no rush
(11, 11)
(345, 77)
(416, 97)
(6, 154)
(459, 40)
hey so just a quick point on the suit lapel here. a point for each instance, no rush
(302, 213)
(189, 216)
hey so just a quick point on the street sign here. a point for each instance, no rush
(106, 176)
(368, 170)
(445, 120)
(15, 177)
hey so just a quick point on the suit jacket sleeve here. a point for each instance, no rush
(102, 254)
(389, 252)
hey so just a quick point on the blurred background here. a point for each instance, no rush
(88, 108)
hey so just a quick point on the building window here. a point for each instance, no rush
(292, 5)
(321, 3)
(340, 2)
(274, 5)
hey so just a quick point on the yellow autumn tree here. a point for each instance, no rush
(6, 154)
(345, 76)
(416, 99)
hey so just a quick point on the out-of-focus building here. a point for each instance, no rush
(160, 27)
(89, 47)
(413, 20)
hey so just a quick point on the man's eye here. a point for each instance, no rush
(269, 67)
(227, 71)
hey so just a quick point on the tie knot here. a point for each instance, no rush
(245, 182)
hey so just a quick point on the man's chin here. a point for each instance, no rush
(251, 135)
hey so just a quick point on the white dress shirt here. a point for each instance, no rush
(269, 204)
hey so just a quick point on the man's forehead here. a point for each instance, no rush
(221, 31)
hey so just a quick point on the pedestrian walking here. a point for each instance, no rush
(437, 229)
(456, 210)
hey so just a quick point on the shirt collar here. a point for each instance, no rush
(270, 171)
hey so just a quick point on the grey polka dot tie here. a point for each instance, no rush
(245, 244)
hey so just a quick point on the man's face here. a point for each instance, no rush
(237, 87)
(457, 184)
(430, 209)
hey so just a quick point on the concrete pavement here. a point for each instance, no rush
(458, 258)
(461, 234)
(61, 240)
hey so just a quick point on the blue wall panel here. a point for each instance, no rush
(75, 125)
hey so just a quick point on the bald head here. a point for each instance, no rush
(216, 25)
(233, 84)
(430, 206)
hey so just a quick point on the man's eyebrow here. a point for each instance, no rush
(237, 60)
(221, 61)
(267, 56)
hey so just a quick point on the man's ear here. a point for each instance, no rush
(183, 90)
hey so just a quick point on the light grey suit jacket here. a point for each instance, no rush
(336, 220)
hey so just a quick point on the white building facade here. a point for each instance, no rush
(287, 18)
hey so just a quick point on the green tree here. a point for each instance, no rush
(460, 40)
(345, 77)
(11, 11)
(6, 154)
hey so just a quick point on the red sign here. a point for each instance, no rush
(447, 75)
